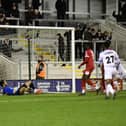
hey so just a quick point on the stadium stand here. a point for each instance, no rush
(46, 45)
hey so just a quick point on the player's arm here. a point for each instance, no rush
(84, 62)
(100, 60)
(117, 60)
(85, 59)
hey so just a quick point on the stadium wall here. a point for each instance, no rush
(55, 85)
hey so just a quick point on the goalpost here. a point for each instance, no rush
(42, 41)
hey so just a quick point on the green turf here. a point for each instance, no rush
(62, 110)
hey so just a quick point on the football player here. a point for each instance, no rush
(88, 60)
(7, 90)
(108, 59)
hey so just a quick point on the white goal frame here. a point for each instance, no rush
(54, 28)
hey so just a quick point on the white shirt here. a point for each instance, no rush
(109, 58)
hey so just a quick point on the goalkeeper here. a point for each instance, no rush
(26, 87)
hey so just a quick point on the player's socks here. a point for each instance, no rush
(83, 91)
(83, 87)
(98, 88)
(107, 91)
(111, 90)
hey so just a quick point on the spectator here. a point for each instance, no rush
(41, 69)
(110, 36)
(36, 15)
(118, 17)
(14, 10)
(7, 6)
(106, 35)
(67, 34)
(29, 16)
(93, 33)
(14, 13)
(3, 20)
(78, 43)
(87, 34)
(61, 47)
(35, 4)
(1, 8)
(99, 35)
(123, 10)
(60, 6)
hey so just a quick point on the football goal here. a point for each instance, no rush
(23, 44)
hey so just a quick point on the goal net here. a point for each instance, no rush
(22, 45)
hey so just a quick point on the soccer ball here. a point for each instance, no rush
(37, 91)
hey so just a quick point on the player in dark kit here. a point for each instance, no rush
(26, 87)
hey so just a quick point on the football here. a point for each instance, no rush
(37, 91)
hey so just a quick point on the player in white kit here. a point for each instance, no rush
(109, 59)
(121, 71)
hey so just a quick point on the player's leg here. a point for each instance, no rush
(90, 82)
(28, 83)
(22, 90)
(86, 79)
(102, 80)
(26, 87)
(117, 81)
(83, 85)
(120, 81)
(29, 86)
(108, 81)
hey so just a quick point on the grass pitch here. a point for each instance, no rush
(62, 110)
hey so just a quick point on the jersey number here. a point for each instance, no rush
(110, 59)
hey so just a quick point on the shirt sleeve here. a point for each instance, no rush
(100, 60)
(117, 60)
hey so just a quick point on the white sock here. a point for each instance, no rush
(83, 91)
(97, 85)
(107, 90)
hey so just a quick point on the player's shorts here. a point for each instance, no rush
(109, 72)
(88, 71)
